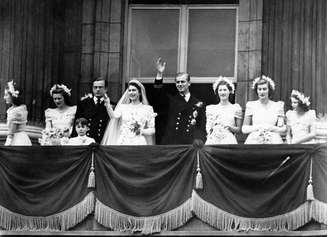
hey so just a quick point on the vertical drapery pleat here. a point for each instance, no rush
(58, 41)
(40, 44)
(294, 48)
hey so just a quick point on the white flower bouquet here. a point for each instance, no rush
(264, 137)
(52, 137)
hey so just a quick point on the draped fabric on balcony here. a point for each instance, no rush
(270, 186)
(145, 188)
(154, 188)
(44, 187)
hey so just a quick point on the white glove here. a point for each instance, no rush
(8, 141)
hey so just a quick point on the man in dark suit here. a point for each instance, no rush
(92, 107)
(182, 115)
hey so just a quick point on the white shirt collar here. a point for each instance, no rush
(95, 99)
(187, 96)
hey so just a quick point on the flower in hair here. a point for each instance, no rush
(225, 79)
(11, 89)
(263, 77)
(301, 97)
(62, 86)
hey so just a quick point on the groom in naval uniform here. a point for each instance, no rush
(182, 116)
(93, 109)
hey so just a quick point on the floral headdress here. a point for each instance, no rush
(221, 78)
(62, 86)
(263, 77)
(301, 97)
(11, 89)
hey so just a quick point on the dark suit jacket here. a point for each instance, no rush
(96, 115)
(184, 121)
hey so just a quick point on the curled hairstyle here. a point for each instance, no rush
(224, 83)
(16, 100)
(59, 90)
(131, 83)
(263, 82)
(301, 105)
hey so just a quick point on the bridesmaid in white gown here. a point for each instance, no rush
(264, 118)
(16, 118)
(224, 119)
(62, 116)
(300, 120)
(133, 121)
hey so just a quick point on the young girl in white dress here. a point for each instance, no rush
(133, 121)
(300, 120)
(224, 119)
(62, 116)
(264, 118)
(16, 118)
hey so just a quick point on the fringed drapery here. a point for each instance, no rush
(44, 188)
(59, 221)
(222, 220)
(170, 220)
(150, 189)
(145, 189)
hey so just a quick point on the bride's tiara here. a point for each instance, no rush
(221, 78)
(301, 97)
(62, 86)
(263, 77)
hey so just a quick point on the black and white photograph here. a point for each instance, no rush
(163, 117)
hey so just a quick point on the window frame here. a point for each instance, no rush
(182, 39)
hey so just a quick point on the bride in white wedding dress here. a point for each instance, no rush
(133, 120)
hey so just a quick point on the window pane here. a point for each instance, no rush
(211, 46)
(154, 33)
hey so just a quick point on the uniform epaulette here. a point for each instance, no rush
(86, 96)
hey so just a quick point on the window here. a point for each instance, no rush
(201, 40)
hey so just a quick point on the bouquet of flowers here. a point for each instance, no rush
(51, 137)
(219, 131)
(135, 127)
(264, 137)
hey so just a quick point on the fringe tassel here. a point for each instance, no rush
(92, 177)
(222, 220)
(318, 211)
(146, 225)
(199, 180)
(60, 221)
(309, 188)
(199, 177)
(309, 191)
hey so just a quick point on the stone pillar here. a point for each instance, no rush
(249, 48)
(102, 51)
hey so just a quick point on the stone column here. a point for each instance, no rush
(102, 51)
(249, 48)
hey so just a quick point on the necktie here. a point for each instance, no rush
(183, 96)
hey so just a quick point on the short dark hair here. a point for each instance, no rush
(100, 79)
(301, 105)
(82, 122)
(179, 74)
(262, 82)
